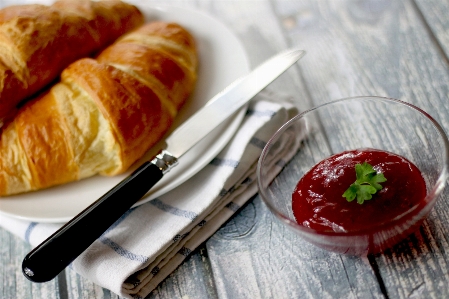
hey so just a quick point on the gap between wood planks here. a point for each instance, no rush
(375, 267)
(372, 258)
(62, 285)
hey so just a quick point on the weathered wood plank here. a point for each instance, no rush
(435, 15)
(13, 283)
(192, 279)
(254, 255)
(267, 260)
(381, 48)
(259, 31)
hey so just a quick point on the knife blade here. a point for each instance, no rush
(54, 254)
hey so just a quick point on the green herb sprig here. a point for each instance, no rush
(366, 184)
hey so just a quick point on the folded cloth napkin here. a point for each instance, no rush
(148, 242)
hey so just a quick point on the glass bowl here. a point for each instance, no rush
(354, 123)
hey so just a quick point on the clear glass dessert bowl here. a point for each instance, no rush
(348, 125)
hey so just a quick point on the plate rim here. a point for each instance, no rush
(235, 120)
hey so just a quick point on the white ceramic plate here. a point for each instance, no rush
(222, 60)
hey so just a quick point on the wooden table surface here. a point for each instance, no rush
(388, 48)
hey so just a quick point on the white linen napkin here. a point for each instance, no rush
(150, 241)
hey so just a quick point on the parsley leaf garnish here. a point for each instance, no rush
(366, 184)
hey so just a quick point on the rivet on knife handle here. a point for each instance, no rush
(165, 161)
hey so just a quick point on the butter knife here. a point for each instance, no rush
(54, 254)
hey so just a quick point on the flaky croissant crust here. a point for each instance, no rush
(104, 114)
(37, 42)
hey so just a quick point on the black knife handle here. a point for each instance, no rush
(48, 259)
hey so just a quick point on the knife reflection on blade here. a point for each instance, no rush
(49, 258)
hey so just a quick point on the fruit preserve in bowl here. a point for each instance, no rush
(362, 173)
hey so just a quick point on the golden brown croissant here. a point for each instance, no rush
(104, 114)
(37, 42)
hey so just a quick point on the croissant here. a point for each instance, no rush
(37, 42)
(104, 114)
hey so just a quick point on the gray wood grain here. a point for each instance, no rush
(192, 279)
(269, 261)
(435, 14)
(381, 48)
(13, 283)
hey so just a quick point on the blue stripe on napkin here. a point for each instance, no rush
(261, 113)
(122, 251)
(29, 230)
(172, 210)
(224, 162)
(257, 142)
(233, 206)
(185, 251)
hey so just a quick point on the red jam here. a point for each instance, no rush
(318, 203)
